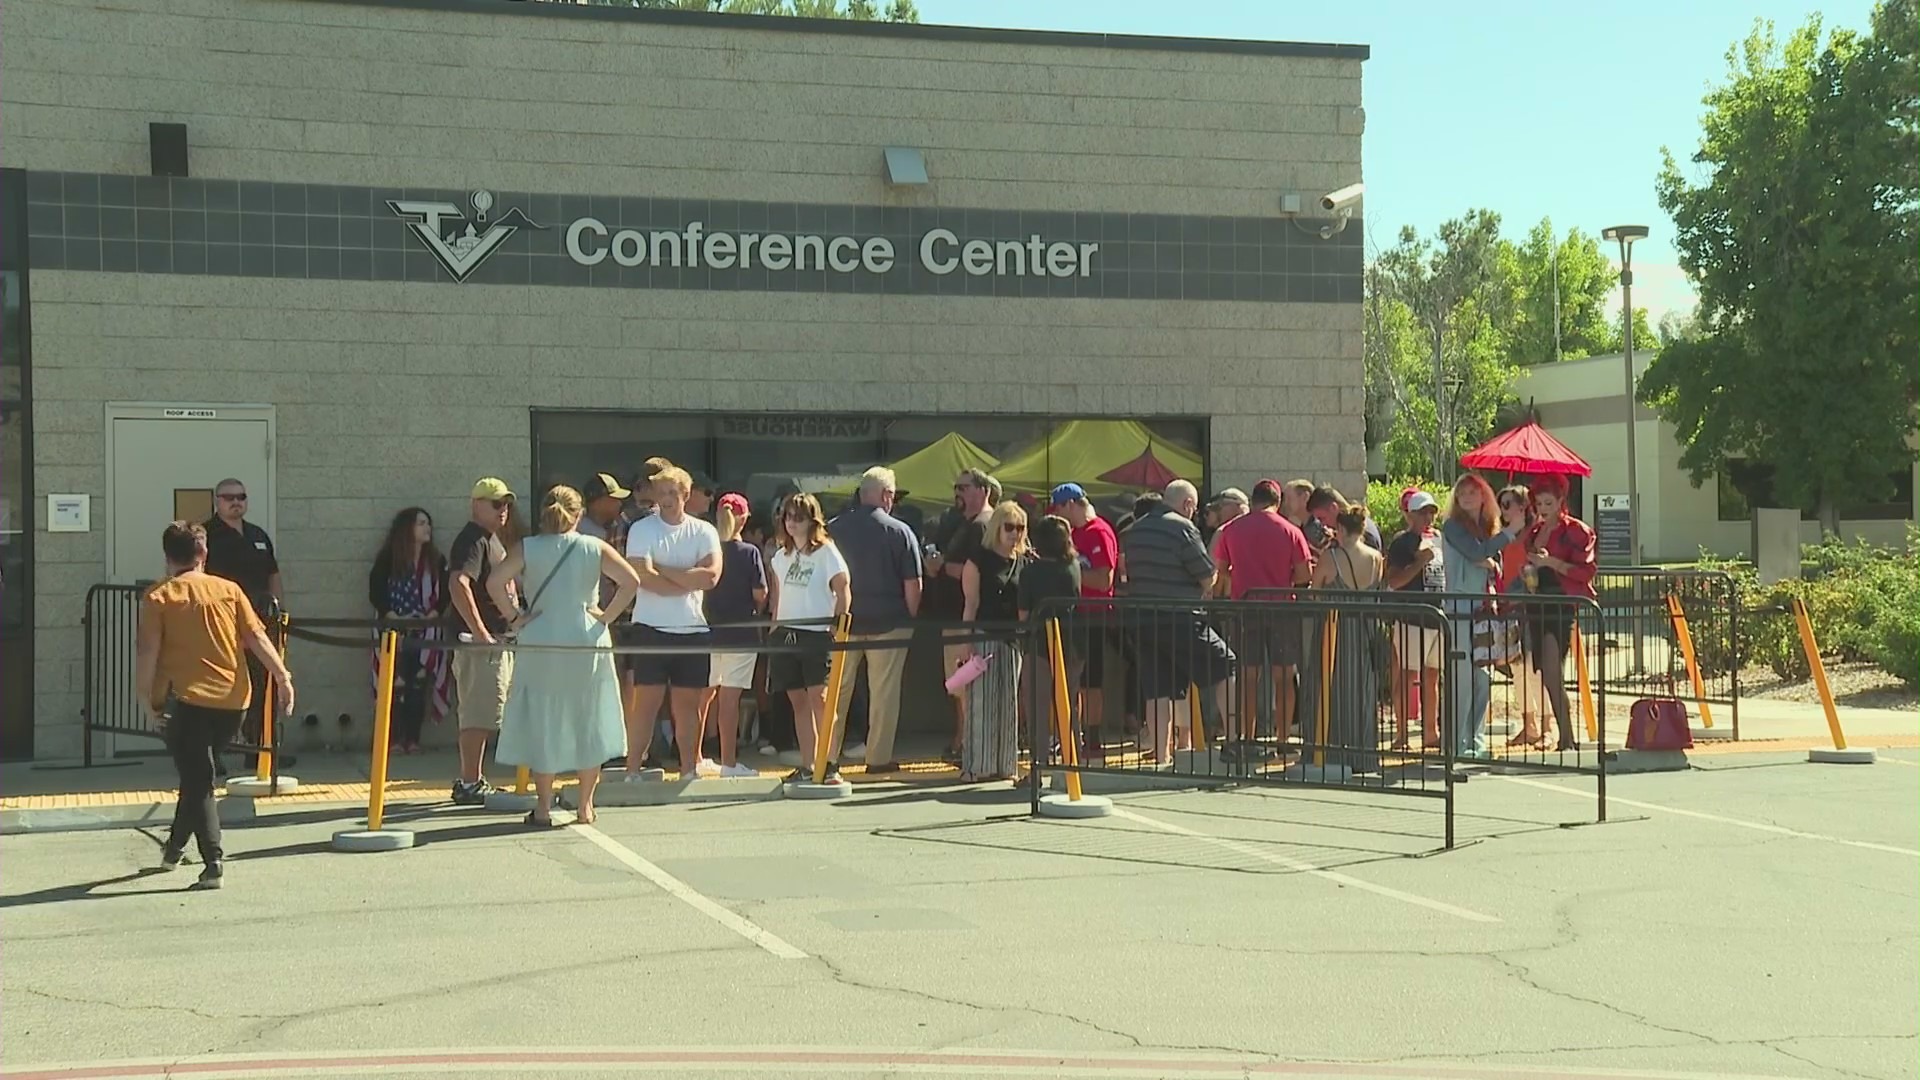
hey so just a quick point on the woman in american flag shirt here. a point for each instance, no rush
(409, 581)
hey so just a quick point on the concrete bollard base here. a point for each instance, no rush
(1065, 807)
(512, 802)
(807, 789)
(1644, 761)
(373, 840)
(1828, 755)
(1318, 774)
(250, 787)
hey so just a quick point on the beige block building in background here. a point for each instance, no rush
(417, 243)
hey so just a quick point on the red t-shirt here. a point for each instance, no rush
(1260, 549)
(1099, 550)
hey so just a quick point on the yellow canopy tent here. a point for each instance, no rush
(927, 475)
(1083, 450)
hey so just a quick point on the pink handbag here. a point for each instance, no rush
(965, 674)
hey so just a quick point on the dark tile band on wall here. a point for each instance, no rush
(144, 224)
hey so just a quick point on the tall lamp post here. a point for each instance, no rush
(1625, 235)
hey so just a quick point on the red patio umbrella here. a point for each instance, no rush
(1526, 449)
(1146, 472)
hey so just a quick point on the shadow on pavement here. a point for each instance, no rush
(1121, 843)
(83, 890)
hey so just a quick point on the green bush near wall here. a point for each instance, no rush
(1863, 601)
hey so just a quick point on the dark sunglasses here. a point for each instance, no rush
(228, 496)
(500, 504)
(1012, 528)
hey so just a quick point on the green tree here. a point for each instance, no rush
(1801, 244)
(1438, 310)
(1561, 286)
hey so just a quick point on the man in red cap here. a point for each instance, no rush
(1099, 552)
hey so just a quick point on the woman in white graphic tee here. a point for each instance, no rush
(810, 593)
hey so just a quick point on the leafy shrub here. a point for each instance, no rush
(1863, 601)
(1383, 500)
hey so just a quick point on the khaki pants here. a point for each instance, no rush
(885, 666)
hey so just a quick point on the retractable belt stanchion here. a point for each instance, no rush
(1319, 770)
(1839, 753)
(1074, 804)
(1681, 633)
(266, 779)
(376, 836)
(1584, 680)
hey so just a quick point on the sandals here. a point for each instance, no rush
(533, 822)
(585, 819)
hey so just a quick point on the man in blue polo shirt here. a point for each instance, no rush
(883, 568)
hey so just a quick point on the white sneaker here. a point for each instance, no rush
(856, 752)
(738, 770)
(706, 767)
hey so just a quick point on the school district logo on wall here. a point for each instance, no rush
(459, 241)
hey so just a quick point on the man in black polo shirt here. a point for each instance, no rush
(242, 552)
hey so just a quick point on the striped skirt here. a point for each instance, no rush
(992, 743)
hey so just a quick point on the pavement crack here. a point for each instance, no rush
(131, 1006)
(1525, 977)
(841, 976)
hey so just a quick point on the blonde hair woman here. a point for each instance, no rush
(811, 591)
(563, 713)
(990, 582)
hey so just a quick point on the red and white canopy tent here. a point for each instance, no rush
(1528, 450)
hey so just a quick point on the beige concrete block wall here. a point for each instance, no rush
(391, 394)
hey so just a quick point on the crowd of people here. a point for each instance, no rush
(701, 585)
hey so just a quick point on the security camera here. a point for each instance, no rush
(1342, 199)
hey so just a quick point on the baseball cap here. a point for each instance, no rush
(1419, 501)
(492, 489)
(1066, 493)
(604, 486)
(1234, 495)
(737, 503)
(701, 481)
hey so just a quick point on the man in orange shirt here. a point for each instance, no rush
(191, 667)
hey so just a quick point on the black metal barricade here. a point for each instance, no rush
(110, 702)
(1652, 617)
(1212, 691)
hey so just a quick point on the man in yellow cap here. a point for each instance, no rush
(483, 676)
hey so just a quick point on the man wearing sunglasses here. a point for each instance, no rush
(242, 552)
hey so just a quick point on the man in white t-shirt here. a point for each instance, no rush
(678, 557)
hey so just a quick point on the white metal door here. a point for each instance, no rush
(165, 467)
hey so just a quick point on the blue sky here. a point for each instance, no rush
(1530, 109)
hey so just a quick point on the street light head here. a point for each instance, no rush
(1624, 234)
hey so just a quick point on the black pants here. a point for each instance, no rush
(194, 735)
(411, 697)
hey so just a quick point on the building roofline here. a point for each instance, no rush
(911, 31)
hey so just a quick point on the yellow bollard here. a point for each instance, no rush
(263, 762)
(1063, 708)
(1819, 670)
(1585, 683)
(522, 780)
(1194, 722)
(1329, 637)
(836, 674)
(1679, 616)
(382, 731)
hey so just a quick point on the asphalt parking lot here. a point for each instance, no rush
(1753, 917)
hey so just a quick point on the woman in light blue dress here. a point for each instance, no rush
(563, 711)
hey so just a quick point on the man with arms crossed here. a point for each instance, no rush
(483, 676)
(242, 552)
(677, 557)
(973, 492)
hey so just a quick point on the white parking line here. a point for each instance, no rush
(688, 895)
(1756, 826)
(1308, 868)
(1908, 762)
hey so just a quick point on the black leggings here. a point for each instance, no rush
(194, 734)
(412, 697)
